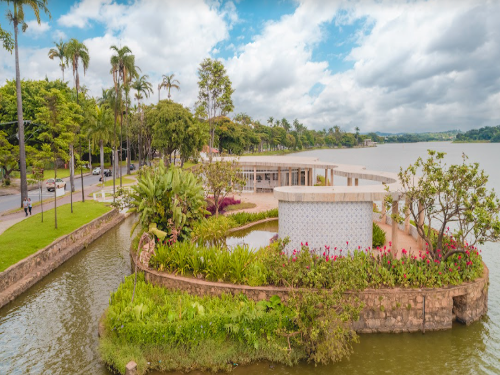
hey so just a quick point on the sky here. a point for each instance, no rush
(380, 65)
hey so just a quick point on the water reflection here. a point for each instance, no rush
(255, 237)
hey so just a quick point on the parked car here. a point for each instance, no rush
(96, 171)
(50, 185)
(107, 172)
(132, 166)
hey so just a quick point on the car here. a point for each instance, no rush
(96, 171)
(49, 184)
(132, 166)
(107, 172)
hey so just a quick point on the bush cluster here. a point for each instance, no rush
(227, 201)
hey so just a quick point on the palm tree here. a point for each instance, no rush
(169, 82)
(17, 18)
(60, 53)
(100, 131)
(270, 121)
(76, 52)
(123, 69)
(142, 87)
(357, 133)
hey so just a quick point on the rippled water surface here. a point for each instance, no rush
(52, 329)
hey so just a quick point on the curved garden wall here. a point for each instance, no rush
(385, 310)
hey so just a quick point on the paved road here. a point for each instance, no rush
(9, 202)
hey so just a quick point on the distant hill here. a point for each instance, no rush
(448, 135)
(486, 134)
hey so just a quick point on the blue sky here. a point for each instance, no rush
(388, 65)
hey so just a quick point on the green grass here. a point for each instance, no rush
(30, 235)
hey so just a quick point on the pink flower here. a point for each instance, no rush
(327, 258)
(428, 261)
(283, 264)
(347, 242)
(324, 253)
(307, 244)
(307, 267)
(404, 275)
(388, 262)
(440, 273)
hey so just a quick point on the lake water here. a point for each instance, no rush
(52, 328)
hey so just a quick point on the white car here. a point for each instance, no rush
(96, 171)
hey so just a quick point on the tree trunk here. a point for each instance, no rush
(114, 155)
(71, 175)
(101, 146)
(81, 172)
(121, 142)
(55, 191)
(139, 143)
(90, 157)
(129, 151)
(20, 121)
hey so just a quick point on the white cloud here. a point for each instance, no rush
(36, 30)
(59, 35)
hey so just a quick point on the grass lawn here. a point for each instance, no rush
(30, 235)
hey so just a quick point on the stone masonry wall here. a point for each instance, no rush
(25, 273)
(386, 310)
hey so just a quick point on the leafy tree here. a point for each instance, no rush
(60, 118)
(60, 53)
(6, 39)
(214, 97)
(16, 17)
(445, 196)
(221, 179)
(170, 83)
(173, 125)
(100, 131)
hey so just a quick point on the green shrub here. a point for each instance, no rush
(378, 238)
(171, 198)
(213, 231)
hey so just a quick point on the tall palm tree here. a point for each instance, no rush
(17, 18)
(143, 88)
(60, 53)
(123, 69)
(76, 52)
(100, 131)
(170, 83)
(357, 133)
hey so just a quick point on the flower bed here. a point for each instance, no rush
(322, 268)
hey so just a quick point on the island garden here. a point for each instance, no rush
(194, 303)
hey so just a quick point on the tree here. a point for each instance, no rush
(6, 39)
(17, 18)
(171, 123)
(60, 53)
(100, 132)
(122, 69)
(169, 82)
(221, 179)
(143, 88)
(214, 97)
(455, 196)
(60, 118)
(76, 52)
(357, 134)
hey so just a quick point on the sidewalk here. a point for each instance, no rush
(9, 220)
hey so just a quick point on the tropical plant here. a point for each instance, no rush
(143, 89)
(170, 83)
(60, 53)
(378, 239)
(76, 52)
(100, 131)
(6, 38)
(16, 17)
(171, 198)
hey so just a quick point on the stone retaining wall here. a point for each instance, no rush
(386, 310)
(25, 273)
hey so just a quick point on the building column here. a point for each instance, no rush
(289, 176)
(383, 218)
(407, 216)
(326, 177)
(395, 227)
(299, 179)
(420, 241)
(279, 176)
(331, 172)
(349, 181)
(311, 177)
(306, 177)
(355, 182)
(254, 179)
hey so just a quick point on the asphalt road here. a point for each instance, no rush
(9, 202)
